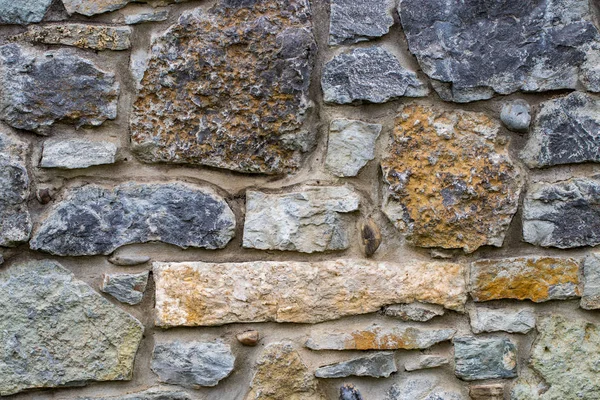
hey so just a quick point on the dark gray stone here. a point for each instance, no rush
(150, 394)
(127, 288)
(516, 115)
(349, 392)
(353, 21)
(95, 220)
(23, 12)
(484, 358)
(377, 365)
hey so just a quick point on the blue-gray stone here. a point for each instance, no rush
(516, 116)
(376, 365)
(353, 21)
(349, 392)
(127, 288)
(422, 388)
(150, 394)
(484, 358)
(23, 12)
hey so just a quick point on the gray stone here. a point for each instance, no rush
(192, 364)
(77, 153)
(420, 312)
(149, 16)
(566, 130)
(516, 115)
(23, 12)
(351, 145)
(474, 49)
(371, 74)
(30, 81)
(127, 260)
(56, 331)
(349, 392)
(590, 300)
(353, 21)
(150, 394)
(506, 320)
(93, 7)
(376, 365)
(95, 220)
(425, 388)
(425, 362)
(309, 220)
(127, 288)
(95, 37)
(484, 358)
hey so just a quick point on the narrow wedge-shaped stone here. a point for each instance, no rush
(378, 365)
(95, 37)
(426, 362)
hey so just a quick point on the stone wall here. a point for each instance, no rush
(294, 199)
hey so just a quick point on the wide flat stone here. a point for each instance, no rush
(94, 7)
(351, 145)
(501, 320)
(484, 358)
(157, 393)
(451, 182)
(590, 299)
(426, 362)
(353, 21)
(420, 312)
(95, 37)
(422, 388)
(492, 391)
(94, 220)
(57, 331)
(376, 365)
(77, 153)
(127, 288)
(228, 88)
(23, 12)
(147, 16)
(300, 292)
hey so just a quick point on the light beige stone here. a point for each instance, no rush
(95, 37)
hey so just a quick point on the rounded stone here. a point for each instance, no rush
(516, 115)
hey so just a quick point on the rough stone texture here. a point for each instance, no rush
(281, 375)
(535, 278)
(77, 153)
(95, 220)
(426, 362)
(23, 12)
(516, 115)
(484, 358)
(127, 288)
(57, 331)
(590, 300)
(30, 81)
(503, 319)
(228, 88)
(96, 37)
(351, 145)
(475, 49)
(565, 130)
(376, 365)
(127, 260)
(307, 220)
(248, 338)
(93, 7)
(350, 392)
(370, 235)
(353, 21)
(150, 16)
(371, 74)
(192, 364)
(452, 183)
(301, 292)
(425, 388)
(150, 394)
(494, 391)
(420, 312)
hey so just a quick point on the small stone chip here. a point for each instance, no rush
(127, 288)
(515, 115)
(248, 338)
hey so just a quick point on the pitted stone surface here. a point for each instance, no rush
(56, 331)
(353, 21)
(228, 88)
(484, 358)
(77, 153)
(426, 362)
(96, 37)
(150, 16)
(494, 320)
(351, 145)
(150, 394)
(23, 12)
(95, 220)
(590, 300)
(451, 181)
(127, 288)
(420, 312)
(376, 365)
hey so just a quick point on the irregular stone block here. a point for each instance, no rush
(476, 49)
(420, 312)
(150, 394)
(452, 182)
(506, 320)
(77, 153)
(150, 16)
(376, 365)
(350, 392)
(421, 389)
(590, 300)
(353, 21)
(95, 220)
(306, 292)
(23, 12)
(96, 37)
(307, 220)
(479, 358)
(516, 115)
(92, 7)
(371, 74)
(494, 391)
(30, 81)
(127, 288)
(57, 331)
(351, 145)
(525, 278)
(228, 88)
(425, 362)
(192, 364)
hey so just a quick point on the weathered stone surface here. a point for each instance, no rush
(506, 320)
(376, 365)
(590, 300)
(535, 278)
(484, 358)
(350, 392)
(228, 88)
(56, 331)
(425, 362)
(150, 394)
(23, 12)
(30, 81)
(371, 74)
(353, 21)
(281, 374)
(127, 288)
(420, 312)
(192, 364)
(96, 37)
(476, 49)
(421, 389)
(93, 7)
(351, 145)
(302, 292)
(248, 338)
(127, 260)
(371, 236)
(149, 16)
(77, 153)
(307, 220)
(516, 115)
(452, 183)
(95, 220)
(494, 391)
(565, 130)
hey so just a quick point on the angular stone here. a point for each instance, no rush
(590, 300)
(228, 88)
(474, 49)
(494, 391)
(127, 288)
(425, 362)
(56, 331)
(77, 153)
(501, 320)
(150, 394)
(350, 392)
(30, 81)
(353, 21)
(93, 7)
(307, 220)
(420, 312)
(23, 12)
(525, 278)
(301, 292)
(484, 358)
(192, 364)
(421, 389)
(351, 145)
(150, 16)
(376, 365)
(95, 220)
(452, 182)
(516, 115)
(95, 37)
(371, 74)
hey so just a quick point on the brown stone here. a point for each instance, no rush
(494, 391)
(96, 37)
(371, 237)
(248, 338)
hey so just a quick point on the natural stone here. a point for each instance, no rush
(424, 388)
(484, 358)
(425, 362)
(228, 88)
(304, 292)
(248, 338)
(493, 391)
(506, 320)
(371, 237)
(371, 74)
(56, 331)
(473, 50)
(150, 16)
(30, 81)
(351, 145)
(420, 312)
(77, 153)
(95, 220)
(590, 300)
(192, 364)
(350, 392)
(93, 7)
(95, 37)
(452, 182)
(525, 278)
(376, 365)
(353, 21)
(127, 288)
(307, 220)
(23, 12)
(150, 394)
(127, 260)
(516, 115)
